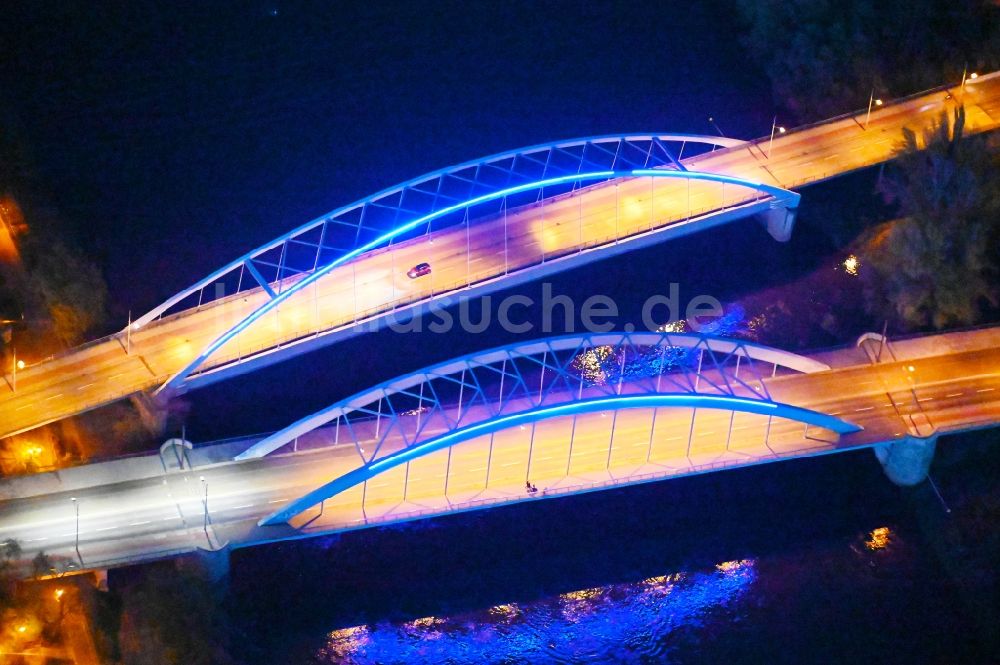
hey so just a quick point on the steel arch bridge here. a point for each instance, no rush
(459, 196)
(483, 393)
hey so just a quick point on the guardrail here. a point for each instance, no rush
(363, 317)
(569, 489)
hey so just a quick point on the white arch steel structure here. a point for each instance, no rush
(460, 194)
(444, 405)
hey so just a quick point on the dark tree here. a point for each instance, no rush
(173, 617)
(938, 265)
(825, 57)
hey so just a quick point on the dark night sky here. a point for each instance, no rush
(172, 139)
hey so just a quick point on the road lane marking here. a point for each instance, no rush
(246, 505)
(985, 390)
(107, 528)
(925, 399)
(140, 523)
(954, 395)
(867, 408)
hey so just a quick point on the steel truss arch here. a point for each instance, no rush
(378, 213)
(667, 400)
(780, 198)
(523, 382)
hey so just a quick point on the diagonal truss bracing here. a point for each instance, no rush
(449, 403)
(460, 195)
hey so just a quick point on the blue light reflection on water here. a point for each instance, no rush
(613, 622)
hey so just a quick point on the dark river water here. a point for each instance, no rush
(818, 560)
(815, 560)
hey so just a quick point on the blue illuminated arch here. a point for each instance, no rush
(783, 196)
(738, 404)
(722, 354)
(449, 185)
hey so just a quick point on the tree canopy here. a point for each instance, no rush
(938, 265)
(825, 57)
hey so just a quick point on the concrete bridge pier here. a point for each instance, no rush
(779, 222)
(213, 564)
(907, 461)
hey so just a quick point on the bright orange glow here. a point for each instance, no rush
(547, 235)
(22, 628)
(59, 593)
(20, 364)
(973, 76)
(878, 539)
(852, 264)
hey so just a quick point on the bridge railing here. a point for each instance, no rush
(367, 316)
(887, 101)
(563, 490)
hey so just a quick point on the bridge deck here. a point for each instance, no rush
(594, 218)
(125, 519)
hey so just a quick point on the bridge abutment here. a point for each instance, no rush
(213, 564)
(779, 222)
(907, 461)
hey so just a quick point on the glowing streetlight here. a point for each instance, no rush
(205, 485)
(59, 593)
(15, 365)
(967, 76)
(872, 101)
(712, 120)
(76, 505)
(774, 127)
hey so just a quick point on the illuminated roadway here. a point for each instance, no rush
(483, 253)
(125, 521)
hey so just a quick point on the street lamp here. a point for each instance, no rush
(59, 599)
(15, 365)
(712, 120)
(774, 126)
(76, 504)
(205, 502)
(968, 76)
(872, 101)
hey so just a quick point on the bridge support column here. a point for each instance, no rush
(779, 222)
(213, 564)
(907, 461)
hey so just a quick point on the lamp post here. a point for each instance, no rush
(205, 503)
(76, 505)
(15, 365)
(968, 76)
(774, 126)
(712, 120)
(872, 101)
